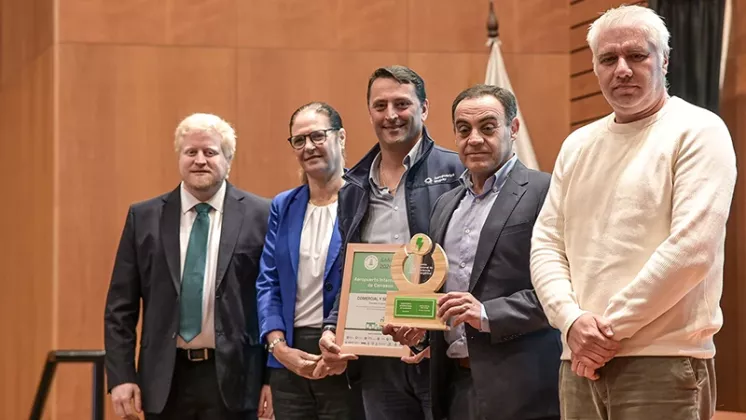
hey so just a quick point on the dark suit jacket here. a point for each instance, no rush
(515, 366)
(147, 267)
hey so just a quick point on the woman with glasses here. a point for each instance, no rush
(300, 274)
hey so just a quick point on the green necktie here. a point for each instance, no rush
(192, 281)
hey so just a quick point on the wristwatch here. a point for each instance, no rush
(276, 341)
(422, 345)
(332, 328)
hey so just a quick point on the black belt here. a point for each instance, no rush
(196, 355)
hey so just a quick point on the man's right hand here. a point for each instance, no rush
(127, 401)
(591, 341)
(405, 335)
(334, 360)
(298, 361)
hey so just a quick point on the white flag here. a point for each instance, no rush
(498, 76)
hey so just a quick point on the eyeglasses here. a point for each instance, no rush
(317, 137)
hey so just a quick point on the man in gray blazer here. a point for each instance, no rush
(500, 359)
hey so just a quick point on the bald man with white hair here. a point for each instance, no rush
(191, 256)
(627, 252)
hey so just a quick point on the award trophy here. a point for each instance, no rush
(415, 304)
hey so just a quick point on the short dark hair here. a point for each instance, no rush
(506, 98)
(403, 75)
(322, 108)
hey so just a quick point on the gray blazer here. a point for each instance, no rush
(515, 366)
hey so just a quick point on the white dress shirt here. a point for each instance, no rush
(318, 226)
(206, 337)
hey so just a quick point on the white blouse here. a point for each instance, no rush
(318, 226)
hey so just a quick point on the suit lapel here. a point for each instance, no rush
(170, 224)
(232, 221)
(296, 214)
(505, 202)
(334, 245)
(449, 206)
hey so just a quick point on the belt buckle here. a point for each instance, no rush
(200, 355)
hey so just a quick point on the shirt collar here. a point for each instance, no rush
(494, 183)
(407, 162)
(188, 201)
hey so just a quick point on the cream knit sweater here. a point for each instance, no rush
(633, 229)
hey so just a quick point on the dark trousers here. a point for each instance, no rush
(394, 390)
(462, 403)
(297, 398)
(195, 395)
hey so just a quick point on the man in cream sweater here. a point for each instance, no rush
(627, 252)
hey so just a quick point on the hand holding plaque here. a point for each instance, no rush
(414, 304)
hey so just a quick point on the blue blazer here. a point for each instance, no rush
(278, 269)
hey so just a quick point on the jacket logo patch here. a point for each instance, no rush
(439, 179)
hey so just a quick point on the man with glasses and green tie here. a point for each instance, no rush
(192, 257)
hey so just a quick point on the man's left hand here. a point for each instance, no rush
(265, 409)
(582, 370)
(463, 307)
(414, 359)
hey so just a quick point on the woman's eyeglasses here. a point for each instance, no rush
(317, 137)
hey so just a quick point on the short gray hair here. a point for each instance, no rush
(634, 17)
(207, 123)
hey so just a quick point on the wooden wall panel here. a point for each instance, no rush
(322, 25)
(26, 304)
(462, 35)
(26, 31)
(578, 36)
(202, 22)
(581, 61)
(584, 85)
(117, 22)
(292, 24)
(380, 25)
(264, 109)
(445, 75)
(586, 11)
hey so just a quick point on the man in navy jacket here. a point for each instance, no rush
(388, 198)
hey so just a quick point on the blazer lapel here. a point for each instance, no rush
(505, 202)
(170, 224)
(439, 233)
(232, 221)
(334, 245)
(296, 214)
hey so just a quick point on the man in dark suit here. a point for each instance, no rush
(192, 257)
(500, 359)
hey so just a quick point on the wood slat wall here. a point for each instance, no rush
(587, 104)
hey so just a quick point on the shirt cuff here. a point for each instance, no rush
(485, 327)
